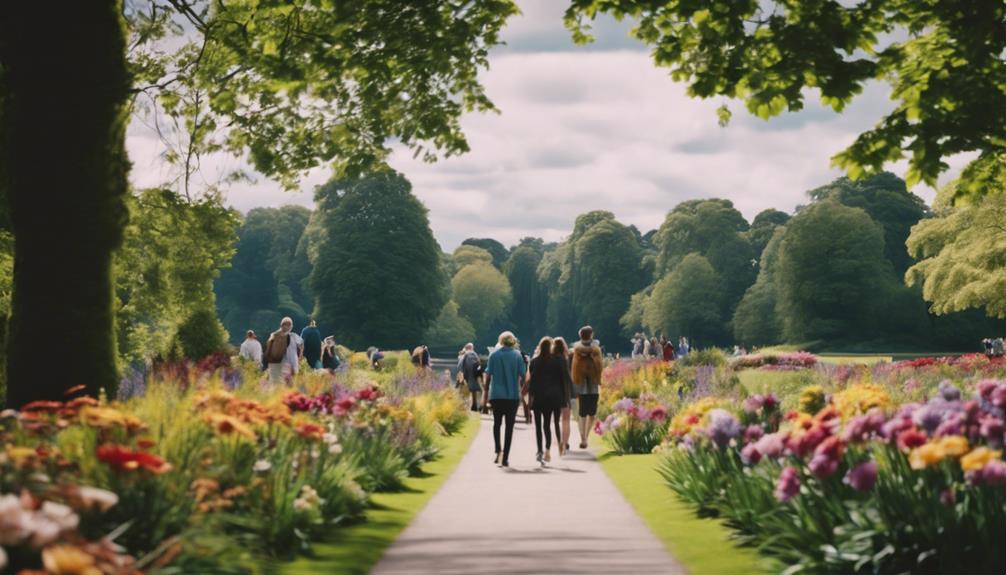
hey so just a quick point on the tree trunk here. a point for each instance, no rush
(62, 148)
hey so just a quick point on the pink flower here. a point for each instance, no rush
(772, 445)
(750, 455)
(826, 458)
(861, 428)
(788, 485)
(993, 474)
(993, 429)
(659, 414)
(753, 433)
(947, 497)
(863, 476)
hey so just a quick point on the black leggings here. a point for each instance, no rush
(548, 414)
(504, 408)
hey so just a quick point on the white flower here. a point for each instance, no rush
(335, 449)
(15, 521)
(315, 453)
(330, 438)
(60, 514)
(7, 413)
(102, 499)
(261, 466)
(43, 530)
(301, 506)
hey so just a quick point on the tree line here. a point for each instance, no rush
(831, 275)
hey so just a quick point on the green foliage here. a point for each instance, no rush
(467, 255)
(482, 294)
(530, 300)
(944, 65)
(172, 251)
(592, 275)
(200, 335)
(293, 86)
(888, 202)
(961, 254)
(377, 274)
(828, 282)
(713, 229)
(763, 227)
(688, 301)
(269, 273)
(756, 320)
(449, 330)
(498, 250)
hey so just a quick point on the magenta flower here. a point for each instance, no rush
(659, 414)
(826, 458)
(863, 476)
(861, 428)
(624, 404)
(993, 430)
(750, 455)
(994, 473)
(788, 485)
(753, 433)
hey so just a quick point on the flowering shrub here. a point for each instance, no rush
(861, 484)
(190, 475)
(776, 361)
(634, 426)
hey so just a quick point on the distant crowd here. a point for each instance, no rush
(644, 347)
(994, 346)
(282, 354)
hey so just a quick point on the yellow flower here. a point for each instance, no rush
(860, 399)
(812, 399)
(926, 455)
(954, 445)
(102, 417)
(978, 458)
(68, 560)
(226, 425)
(21, 456)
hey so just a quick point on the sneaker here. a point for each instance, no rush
(505, 463)
(548, 456)
(540, 459)
(499, 456)
(583, 446)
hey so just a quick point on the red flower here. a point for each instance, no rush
(368, 394)
(121, 458)
(310, 431)
(43, 406)
(344, 405)
(910, 439)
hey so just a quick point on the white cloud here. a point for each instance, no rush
(592, 129)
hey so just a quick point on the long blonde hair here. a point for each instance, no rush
(559, 347)
(545, 348)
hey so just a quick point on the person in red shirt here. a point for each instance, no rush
(668, 348)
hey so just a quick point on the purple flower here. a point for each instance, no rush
(722, 427)
(949, 392)
(928, 417)
(788, 485)
(993, 430)
(863, 476)
(624, 404)
(753, 433)
(861, 428)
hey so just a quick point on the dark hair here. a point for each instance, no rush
(586, 333)
(250, 333)
(545, 347)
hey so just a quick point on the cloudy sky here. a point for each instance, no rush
(585, 128)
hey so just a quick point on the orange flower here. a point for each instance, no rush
(108, 418)
(122, 458)
(43, 406)
(68, 560)
(310, 431)
(227, 425)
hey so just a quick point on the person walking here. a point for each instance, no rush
(505, 377)
(312, 344)
(561, 351)
(646, 348)
(683, 347)
(548, 378)
(251, 348)
(283, 350)
(330, 355)
(587, 367)
(470, 368)
(667, 347)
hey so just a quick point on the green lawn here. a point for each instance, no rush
(701, 545)
(355, 549)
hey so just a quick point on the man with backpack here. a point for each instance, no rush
(282, 352)
(470, 368)
(587, 368)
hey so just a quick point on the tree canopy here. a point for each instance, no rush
(688, 301)
(377, 274)
(482, 294)
(943, 61)
(495, 248)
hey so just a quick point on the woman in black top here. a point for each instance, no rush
(549, 393)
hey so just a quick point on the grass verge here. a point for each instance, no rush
(355, 549)
(702, 546)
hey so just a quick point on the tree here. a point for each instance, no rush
(756, 320)
(498, 250)
(269, 274)
(888, 202)
(591, 277)
(961, 254)
(482, 293)
(530, 301)
(944, 64)
(832, 274)
(715, 230)
(449, 330)
(377, 274)
(164, 272)
(687, 301)
(467, 255)
(64, 165)
(762, 229)
(289, 86)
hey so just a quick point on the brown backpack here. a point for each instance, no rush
(275, 349)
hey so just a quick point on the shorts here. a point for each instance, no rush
(588, 404)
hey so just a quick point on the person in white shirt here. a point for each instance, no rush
(251, 349)
(283, 351)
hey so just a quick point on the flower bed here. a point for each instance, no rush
(191, 476)
(776, 361)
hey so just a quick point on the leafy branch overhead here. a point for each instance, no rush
(942, 60)
(295, 85)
